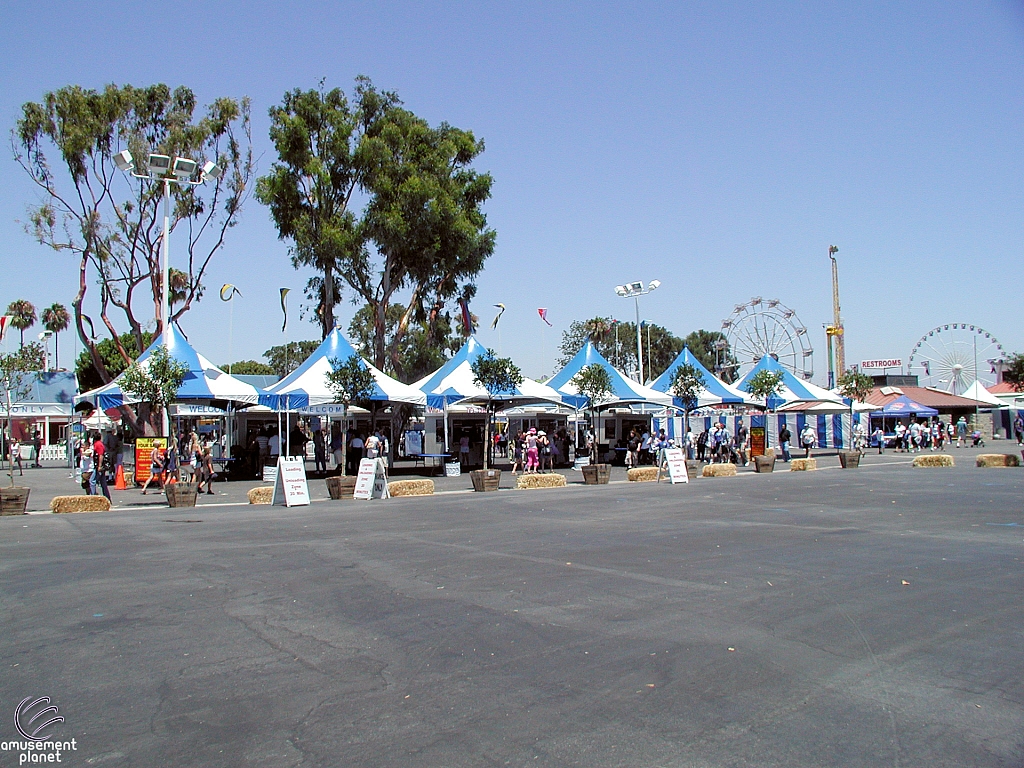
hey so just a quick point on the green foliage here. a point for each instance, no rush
(285, 358)
(23, 316)
(351, 381)
(687, 382)
(594, 383)
(711, 348)
(498, 375)
(112, 359)
(765, 384)
(1014, 372)
(155, 380)
(56, 319)
(421, 227)
(249, 368)
(659, 352)
(855, 385)
(18, 372)
(110, 224)
(424, 347)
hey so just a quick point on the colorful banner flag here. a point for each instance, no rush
(501, 308)
(467, 318)
(284, 308)
(4, 322)
(228, 291)
(543, 312)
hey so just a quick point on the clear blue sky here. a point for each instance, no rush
(718, 147)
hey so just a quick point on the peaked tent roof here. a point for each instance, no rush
(793, 389)
(623, 390)
(977, 391)
(715, 392)
(307, 384)
(454, 382)
(904, 406)
(203, 382)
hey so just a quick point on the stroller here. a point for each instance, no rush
(977, 439)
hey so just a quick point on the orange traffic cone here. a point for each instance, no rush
(119, 483)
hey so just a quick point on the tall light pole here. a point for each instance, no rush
(836, 329)
(634, 291)
(169, 170)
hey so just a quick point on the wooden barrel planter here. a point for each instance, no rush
(596, 474)
(849, 459)
(485, 479)
(13, 501)
(341, 486)
(180, 494)
(764, 464)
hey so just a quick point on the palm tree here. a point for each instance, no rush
(23, 316)
(56, 319)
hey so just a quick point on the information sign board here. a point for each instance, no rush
(757, 446)
(372, 481)
(290, 487)
(144, 456)
(676, 460)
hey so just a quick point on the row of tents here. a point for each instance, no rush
(306, 388)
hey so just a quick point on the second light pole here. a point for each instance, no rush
(634, 291)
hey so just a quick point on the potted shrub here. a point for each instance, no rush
(594, 383)
(856, 386)
(766, 384)
(687, 382)
(17, 374)
(352, 383)
(497, 375)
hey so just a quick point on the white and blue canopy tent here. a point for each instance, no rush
(793, 389)
(715, 391)
(454, 382)
(624, 391)
(204, 383)
(305, 389)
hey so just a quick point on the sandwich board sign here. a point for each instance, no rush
(676, 461)
(290, 487)
(372, 481)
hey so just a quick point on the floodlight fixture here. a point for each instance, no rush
(211, 170)
(184, 168)
(158, 165)
(636, 287)
(621, 290)
(124, 161)
(654, 284)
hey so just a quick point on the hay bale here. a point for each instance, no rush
(642, 474)
(803, 465)
(261, 495)
(411, 487)
(719, 470)
(553, 480)
(997, 460)
(60, 504)
(936, 460)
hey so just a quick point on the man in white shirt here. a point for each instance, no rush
(275, 446)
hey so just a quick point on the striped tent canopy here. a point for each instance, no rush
(204, 382)
(624, 391)
(715, 391)
(793, 389)
(454, 382)
(306, 386)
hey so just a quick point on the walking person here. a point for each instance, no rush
(101, 465)
(88, 483)
(807, 440)
(961, 432)
(785, 436)
(37, 447)
(742, 437)
(206, 472)
(544, 451)
(517, 452)
(531, 452)
(319, 452)
(1018, 428)
(16, 458)
(879, 436)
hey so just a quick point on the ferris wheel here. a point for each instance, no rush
(768, 327)
(952, 356)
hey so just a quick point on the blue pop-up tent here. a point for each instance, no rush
(904, 406)
(714, 392)
(204, 382)
(793, 389)
(623, 390)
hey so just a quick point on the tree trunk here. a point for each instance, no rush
(327, 320)
(487, 434)
(344, 439)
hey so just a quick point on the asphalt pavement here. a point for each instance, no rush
(867, 617)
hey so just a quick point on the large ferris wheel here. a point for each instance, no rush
(768, 327)
(953, 356)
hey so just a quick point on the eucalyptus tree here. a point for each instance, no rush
(367, 191)
(111, 224)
